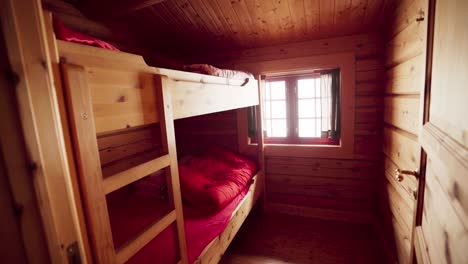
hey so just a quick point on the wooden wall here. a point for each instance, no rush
(405, 53)
(195, 133)
(330, 188)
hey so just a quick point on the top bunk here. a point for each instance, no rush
(122, 87)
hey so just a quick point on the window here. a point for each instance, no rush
(302, 109)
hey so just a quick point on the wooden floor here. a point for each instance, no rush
(277, 238)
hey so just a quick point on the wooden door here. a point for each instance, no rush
(441, 233)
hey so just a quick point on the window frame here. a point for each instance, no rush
(292, 112)
(347, 64)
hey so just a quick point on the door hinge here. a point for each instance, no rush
(73, 253)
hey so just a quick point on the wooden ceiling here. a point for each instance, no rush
(188, 26)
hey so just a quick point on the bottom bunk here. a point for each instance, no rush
(208, 231)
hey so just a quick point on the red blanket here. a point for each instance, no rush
(218, 176)
(211, 180)
(130, 214)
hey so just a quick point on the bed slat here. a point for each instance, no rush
(128, 250)
(133, 174)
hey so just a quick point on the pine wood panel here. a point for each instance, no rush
(313, 168)
(29, 56)
(447, 73)
(407, 77)
(400, 208)
(407, 44)
(318, 185)
(84, 135)
(226, 25)
(320, 202)
(445, 211)
(118, 146)
(445, 229)
(404, 14)
(130, 161)
(402, 148)
(395, 233)
(404, 82)
(363, 45)
(22, 235)
(121, 99)
(402, 112)
(321, 183)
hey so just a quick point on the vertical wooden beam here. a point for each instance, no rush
(164, 86)
(87, 154)
(23, 26)
(261, 153)
(82, 237)
(22, 234)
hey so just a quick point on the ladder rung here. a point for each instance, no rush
(128, 250)
(133, 174)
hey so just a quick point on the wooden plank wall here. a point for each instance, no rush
(328, 186)
(405, 47)
(195, 133)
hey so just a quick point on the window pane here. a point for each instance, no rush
(306, 108)
(307, 128)
(318, 127)
(318, 108)
(268, 127)
(267, 93)
(267, 110)
(318, 87)
(278, 109)
(306, 88)
(279, 128)
(278, 90)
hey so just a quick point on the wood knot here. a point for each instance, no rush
(121, 99)
(456, 191)
(12, 77)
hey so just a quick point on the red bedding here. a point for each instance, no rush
(211, 180)
(64, 33)
(217, 177)
(130, 214)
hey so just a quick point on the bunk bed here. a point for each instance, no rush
(107, 92)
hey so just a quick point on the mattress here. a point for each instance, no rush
(130, 214)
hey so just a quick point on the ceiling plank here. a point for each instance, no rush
(105, 10)
(312, 15)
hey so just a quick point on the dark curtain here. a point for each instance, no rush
(252, 114)
(252, 120)
(332, 81)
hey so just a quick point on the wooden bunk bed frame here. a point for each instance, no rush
(106, 91)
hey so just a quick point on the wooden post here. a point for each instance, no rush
(261, 153)
(88, 161)
(24, 29)
(164, 86)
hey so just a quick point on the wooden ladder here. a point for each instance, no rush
(95, 188)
